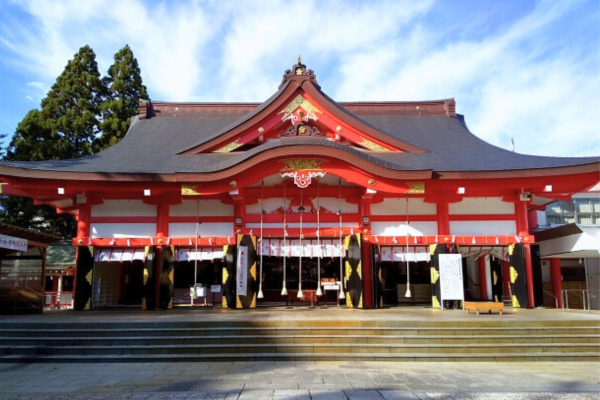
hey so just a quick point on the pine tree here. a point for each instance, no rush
(73, 106)
(125, 87)
(32, 140)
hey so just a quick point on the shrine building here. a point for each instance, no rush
(302, 199)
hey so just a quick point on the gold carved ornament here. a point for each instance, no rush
(299, 101)
(371, 145)
(415, 188)
(300, 164)
(189, 190)
(229, 147)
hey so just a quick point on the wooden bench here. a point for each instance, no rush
(488, 306)
(308, 295)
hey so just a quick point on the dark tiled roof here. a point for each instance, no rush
(152, 145)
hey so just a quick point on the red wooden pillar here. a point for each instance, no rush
(523, 229)
(162, 230)
(556, 278)
(443, 218)
(367, 271)
(162, 219)
(239, 211)
(83, 220)
(483, 292)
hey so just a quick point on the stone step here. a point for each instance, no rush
(301, 339)
(306, 330)
(357, 348)
(298, 323)
(394, 357)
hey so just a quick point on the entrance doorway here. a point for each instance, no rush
(273, 279)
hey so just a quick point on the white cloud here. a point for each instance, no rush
(513, 81)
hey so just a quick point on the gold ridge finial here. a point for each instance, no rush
(299, 60)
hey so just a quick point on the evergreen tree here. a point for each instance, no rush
(125, 87)
(32, 140)
(73, 106)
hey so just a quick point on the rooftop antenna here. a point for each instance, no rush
(512, 141)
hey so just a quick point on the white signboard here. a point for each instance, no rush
(451, 278)
(13, 243)
(241, 273)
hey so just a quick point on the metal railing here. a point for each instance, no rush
(584, 294)
(555, 298)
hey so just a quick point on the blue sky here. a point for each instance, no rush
(528, 70)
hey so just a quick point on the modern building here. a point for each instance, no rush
(568, 233)
(284, 200)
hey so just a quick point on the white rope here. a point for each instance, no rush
(407, 294)
(301, 209)
(284, 291)
(262, 212)
(342, 294)
(319, 290)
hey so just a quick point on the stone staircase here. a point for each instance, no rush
(310, 340)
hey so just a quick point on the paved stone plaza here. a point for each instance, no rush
(301, 380)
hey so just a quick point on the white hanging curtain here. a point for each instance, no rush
(203, 254)
(310, 248)
(120, 254)
(399, 253)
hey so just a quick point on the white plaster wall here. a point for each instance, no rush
(270, 205)
(332, 204)
(123, 208)
(397, 206)
(395, 228)
(205, 208)
(482, 205)
(123, 230)
(483, 228)
(206, 229)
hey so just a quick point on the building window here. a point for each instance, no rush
(585, 211)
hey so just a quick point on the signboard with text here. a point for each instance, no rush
(241, 273)
(13, 243)
(451, 278)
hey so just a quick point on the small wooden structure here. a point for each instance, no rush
(22, 269)
(488, 306)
